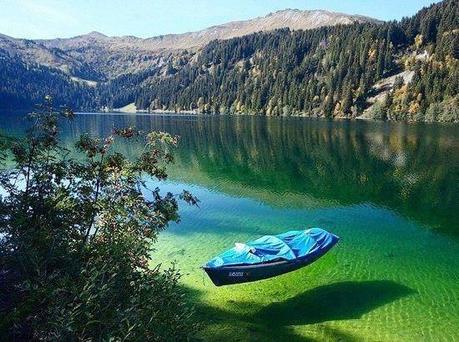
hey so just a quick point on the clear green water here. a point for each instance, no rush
(391, 191)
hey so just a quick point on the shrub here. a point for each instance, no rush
(76, 236)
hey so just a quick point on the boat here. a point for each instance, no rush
(269, 256)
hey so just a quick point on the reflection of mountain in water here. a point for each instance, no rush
(302, 163)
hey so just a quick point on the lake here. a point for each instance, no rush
(389, 190)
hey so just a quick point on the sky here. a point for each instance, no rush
(147, 18)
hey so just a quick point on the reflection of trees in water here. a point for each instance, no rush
(411, 169)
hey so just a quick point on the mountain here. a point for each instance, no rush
(66, 68)
(290, 18)
(32, 53)
(29, 71)
(291, 62)
(114, 56)
(407, 70)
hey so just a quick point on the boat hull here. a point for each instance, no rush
(228, 275)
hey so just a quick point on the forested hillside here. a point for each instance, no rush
(326, 72)
(407, 70)
(24, 85)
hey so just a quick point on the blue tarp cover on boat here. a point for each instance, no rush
(287, 246)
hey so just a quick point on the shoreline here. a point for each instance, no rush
(194, 113)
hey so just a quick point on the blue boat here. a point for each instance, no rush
(269, 256)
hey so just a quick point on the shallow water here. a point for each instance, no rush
(390, 191)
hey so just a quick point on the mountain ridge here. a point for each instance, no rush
(324, 64)
(99, 58)
(295, 19)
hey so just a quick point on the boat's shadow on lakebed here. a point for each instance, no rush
(332, 302)
(338, 301)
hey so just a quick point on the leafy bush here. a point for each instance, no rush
(76, 235)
